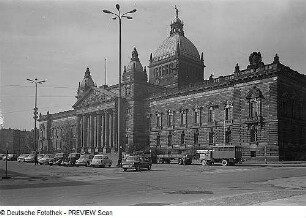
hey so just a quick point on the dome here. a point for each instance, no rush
(173, 43)
(87, 80)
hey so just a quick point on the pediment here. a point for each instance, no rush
(94, 96)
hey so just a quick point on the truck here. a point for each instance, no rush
(224, 154)
(182, 157)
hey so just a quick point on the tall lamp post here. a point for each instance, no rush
(119, 15)
(35, 81)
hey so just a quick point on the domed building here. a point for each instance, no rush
(171, 109)
(176, 62)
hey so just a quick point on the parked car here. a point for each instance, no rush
(46, 159)
(30, 158)
(39, 156)
(84, 160)
(10, 157)
(71, 159)
(58, 158)
(22, 157)
(136, 162)
(2, 156)
(101, 160)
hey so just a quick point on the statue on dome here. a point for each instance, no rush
(176, 11)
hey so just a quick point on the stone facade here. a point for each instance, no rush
(260, 108)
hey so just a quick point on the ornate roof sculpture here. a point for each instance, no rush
(134, 71)
(86, 84)
(176, 43)
(176, 62)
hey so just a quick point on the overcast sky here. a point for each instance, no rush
(57, 40)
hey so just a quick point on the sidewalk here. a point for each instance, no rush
(274, 164)
(299, 200)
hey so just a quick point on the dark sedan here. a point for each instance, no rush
(136, 162)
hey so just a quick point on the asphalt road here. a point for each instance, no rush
(165, 184)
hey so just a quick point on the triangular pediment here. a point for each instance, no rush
(94, 96)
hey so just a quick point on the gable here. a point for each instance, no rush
(94, 96)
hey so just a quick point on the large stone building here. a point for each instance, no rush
(260, 108)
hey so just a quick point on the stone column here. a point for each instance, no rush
(92, 132)
(88, 132)
(99, 129)
(107, 130)
(111, 128)
(85, 121)
(103, 129)
(115, 129)
(78, 134)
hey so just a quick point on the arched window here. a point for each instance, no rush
(255, 98)
(159, 120)
(170, 118)
(184, 117)
(197, 116)
(211, 114)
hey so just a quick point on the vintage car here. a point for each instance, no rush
(58, 159)
(71, 159)
(21, 157)
(10, 157)
(2, 156)
(46, 159)
(84, 160)
(30, 158)
(101, 160)
(136, 162)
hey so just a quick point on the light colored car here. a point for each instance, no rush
(30, 158)
(22, 157)
(101, 160)
(39, 156)
(46, 159)
(2, 156)
(84, 160)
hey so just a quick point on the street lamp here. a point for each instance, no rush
(119, 16)
(35, 108)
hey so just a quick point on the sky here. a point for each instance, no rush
(57, 41)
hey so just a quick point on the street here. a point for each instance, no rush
(165, 184)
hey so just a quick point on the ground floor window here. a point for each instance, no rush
(253, 153)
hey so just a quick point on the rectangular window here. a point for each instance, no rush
(158, 140)
(196, 138)
(227, 117)
(228, 136)
(211, 137)
(170, 139)
(182, 138)
(253, 153)
(253, 134)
